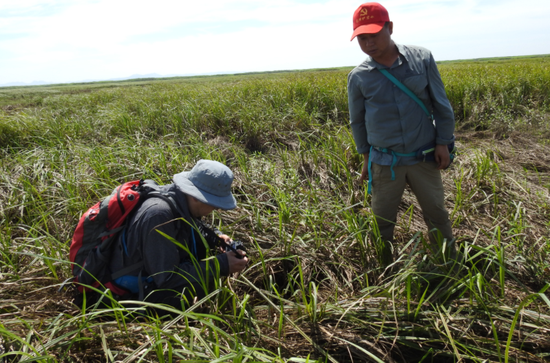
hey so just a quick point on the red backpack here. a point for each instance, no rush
(97, 229)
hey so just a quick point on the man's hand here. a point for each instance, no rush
(365, 171)
(442, 157)
(227, 241)
(236, 264)
(225, 237)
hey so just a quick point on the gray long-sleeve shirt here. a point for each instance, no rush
(169, 265)
(384, 116)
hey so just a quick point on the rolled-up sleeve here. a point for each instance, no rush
(356, 104)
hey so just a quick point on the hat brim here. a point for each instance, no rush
(186, 186)
(371, 28)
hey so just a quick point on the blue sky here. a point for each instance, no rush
(59, 41)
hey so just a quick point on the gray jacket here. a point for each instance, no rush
(170, 265)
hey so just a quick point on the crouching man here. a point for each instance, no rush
(165, 243)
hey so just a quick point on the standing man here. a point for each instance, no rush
(389, 127)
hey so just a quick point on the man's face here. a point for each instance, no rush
(199, 209)
(377, 45)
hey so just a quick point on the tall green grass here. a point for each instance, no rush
(510, 94)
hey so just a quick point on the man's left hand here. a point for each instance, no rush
(225, 237)
(442, 157)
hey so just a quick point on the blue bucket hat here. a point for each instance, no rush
(210, 182)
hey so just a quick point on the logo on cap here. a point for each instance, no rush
(363, 16)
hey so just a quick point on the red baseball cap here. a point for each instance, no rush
(369, 18)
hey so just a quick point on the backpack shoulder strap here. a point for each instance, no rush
(404, 88)
(168, 199)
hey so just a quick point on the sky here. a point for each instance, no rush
(64, 41)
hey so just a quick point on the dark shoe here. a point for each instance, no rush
(386, 255)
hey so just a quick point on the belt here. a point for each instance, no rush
(394, 161)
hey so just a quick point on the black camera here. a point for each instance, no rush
(234, 246)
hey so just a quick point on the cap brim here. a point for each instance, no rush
(186, 186)
(367, 29)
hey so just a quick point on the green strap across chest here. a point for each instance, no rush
(404, 88)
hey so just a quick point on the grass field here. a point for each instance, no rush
(314, 290)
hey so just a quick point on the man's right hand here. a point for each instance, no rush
(236, 264)
(365, 171)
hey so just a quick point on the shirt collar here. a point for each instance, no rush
(403, 52)
(371, 64)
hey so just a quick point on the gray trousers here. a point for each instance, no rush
(425, 182)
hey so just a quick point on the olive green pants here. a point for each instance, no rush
(425, 182)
